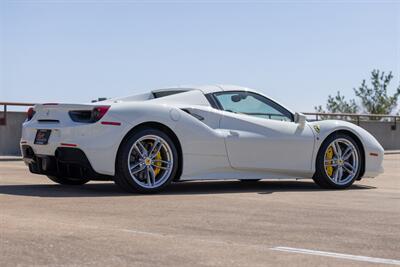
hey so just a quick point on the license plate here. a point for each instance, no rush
(42, 137)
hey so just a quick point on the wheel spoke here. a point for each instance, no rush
(337, 149)
(340, 173)
(348, 167)
(347, 153)
(134, 166)
(161, 167)
(162, 161)
(148, 176)
(335, 174)
(152, 175)
(330, 163)
(134, 169)
(140, 149)
(155, 149)
(334, 149)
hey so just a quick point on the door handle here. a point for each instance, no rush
(233, 134)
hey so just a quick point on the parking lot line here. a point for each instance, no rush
(337, 255)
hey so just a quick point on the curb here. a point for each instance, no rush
(10, 158)
(392, 152)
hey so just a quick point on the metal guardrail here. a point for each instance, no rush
(318, 115)
(357, 117)
(3, 120)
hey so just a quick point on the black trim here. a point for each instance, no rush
(67, 162)
(160, 94)
(48, 121)
(264, 99)
(213, 101)
(197, 116)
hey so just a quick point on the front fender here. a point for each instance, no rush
(374, 152)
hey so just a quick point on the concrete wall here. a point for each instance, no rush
(388, 138)
(10, 134)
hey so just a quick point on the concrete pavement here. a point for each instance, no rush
(225, 223)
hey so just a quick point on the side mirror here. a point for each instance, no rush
(236, 98)
(300, 118)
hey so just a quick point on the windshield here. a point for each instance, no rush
(253, 105)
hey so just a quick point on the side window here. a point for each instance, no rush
(252, 104)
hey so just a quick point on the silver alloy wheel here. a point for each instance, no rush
(341, 163)
(150, 161)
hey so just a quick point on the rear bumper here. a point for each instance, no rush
(67, 162)
(99, 142)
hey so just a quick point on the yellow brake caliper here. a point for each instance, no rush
(158, 163)
(329, 156)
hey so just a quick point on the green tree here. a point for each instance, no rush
(339, 104)
(375, 99)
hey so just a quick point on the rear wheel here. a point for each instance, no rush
(338, 162)
(147, 162)
(67, 180)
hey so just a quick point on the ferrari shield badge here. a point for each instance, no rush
(317, 128)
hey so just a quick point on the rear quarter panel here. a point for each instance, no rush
(202, 146)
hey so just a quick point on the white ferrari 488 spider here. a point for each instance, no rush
(146, 141)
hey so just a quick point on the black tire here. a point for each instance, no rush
(67, 181)
(123, 176)
(320, 177)
(249, 180)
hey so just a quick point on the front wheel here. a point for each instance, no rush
(338, 162)
(147, 162)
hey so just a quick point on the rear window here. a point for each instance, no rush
(167, 93)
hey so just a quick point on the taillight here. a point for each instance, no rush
(99, 112)
(29, 115)
(88, 116)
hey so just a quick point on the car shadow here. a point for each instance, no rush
(109, 189)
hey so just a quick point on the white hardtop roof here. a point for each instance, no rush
(206, 89)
